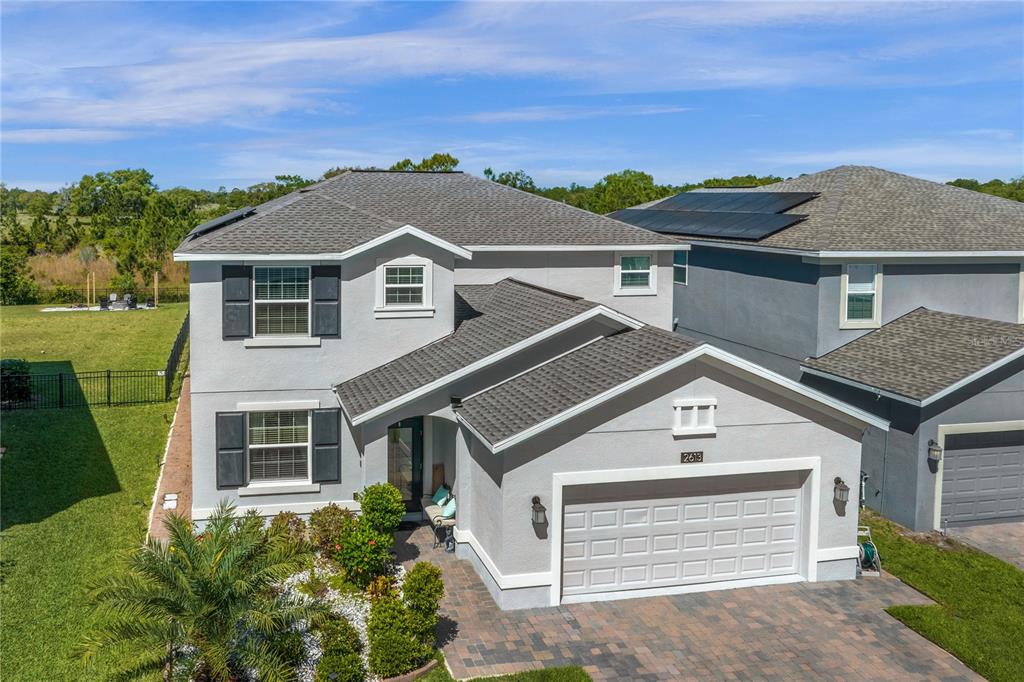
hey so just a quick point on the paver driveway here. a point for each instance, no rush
(1004, 540)
(832, 630)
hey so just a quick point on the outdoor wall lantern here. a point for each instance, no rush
(537, 513)
(934, 452)
(842, 491)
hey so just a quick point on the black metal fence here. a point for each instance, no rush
(72, 295)
(109, 387)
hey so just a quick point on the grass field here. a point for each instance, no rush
(980, 613)
(564, 674)
(75, 484)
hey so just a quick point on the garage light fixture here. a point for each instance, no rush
(538, 512)
(934, 452)
(842, 491)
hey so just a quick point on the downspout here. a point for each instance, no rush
(885, 456)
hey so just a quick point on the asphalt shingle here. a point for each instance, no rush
(357, 206)
(489, 318)
(550, 389)
(861, 208)
(922, 353)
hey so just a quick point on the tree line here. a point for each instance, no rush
(122, 215)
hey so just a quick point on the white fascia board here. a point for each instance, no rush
(860, 255)
(700, 351)
(472, 429)
(681, 246)
(861, 386)
(972, 377)
(596, 311)
(406, 230)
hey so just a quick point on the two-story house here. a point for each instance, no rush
(900, 295)
(437, 328)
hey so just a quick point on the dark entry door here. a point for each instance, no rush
(405, 459)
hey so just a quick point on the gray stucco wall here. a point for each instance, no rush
(989, 290)
(634, 431)
(902, 484)
(763, 307)
(589, 274)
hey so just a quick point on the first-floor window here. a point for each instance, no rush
(860, 291)
(635, 272)
(279, 445)
(281, 297)
(680, 263)
(403, 285)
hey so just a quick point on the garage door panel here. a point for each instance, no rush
(664, 542)
(982, 483)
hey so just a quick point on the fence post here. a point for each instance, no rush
(60, 389)
(108, 388)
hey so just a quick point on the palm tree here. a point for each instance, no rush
(203, 607)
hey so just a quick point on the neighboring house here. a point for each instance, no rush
(428, 328)
(900, 295)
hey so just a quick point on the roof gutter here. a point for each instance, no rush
(855, 255)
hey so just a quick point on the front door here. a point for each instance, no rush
(405, 460)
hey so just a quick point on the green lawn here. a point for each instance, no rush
(137, 339)
(75, 484)
(980, 613)
(565, 674)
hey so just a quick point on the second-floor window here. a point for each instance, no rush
(404, 285)
(680, 265)
(861, 294)
(281, 301)
(635, 274)
(279, 446)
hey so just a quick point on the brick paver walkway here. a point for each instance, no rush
(176, 476)
(832, 630)
(1004, 540)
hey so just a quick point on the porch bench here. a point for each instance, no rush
(437, 521)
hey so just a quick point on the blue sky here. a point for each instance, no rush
(232, 93)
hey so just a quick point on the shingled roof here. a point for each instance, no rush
(356, 206)
(550, 389)
(861, 208)
(489, 319)
(923, 353)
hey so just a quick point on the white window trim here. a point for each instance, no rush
(268, 340)
(619, 290)
(685, 268)
(1020, 296)
(281, 482)
(876, 310)
(686, 416)
(426, 309)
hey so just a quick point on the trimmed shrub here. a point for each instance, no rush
(291, 647)
(393, 648)
(327, 524)
(338, 636)
(422, 591)
(340, 668)
(62, 293)
(364, 553)
(382, 507)
(289, 526)
(15, 382)
(124, 284)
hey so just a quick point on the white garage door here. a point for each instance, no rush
(670, 541)
(983, 476)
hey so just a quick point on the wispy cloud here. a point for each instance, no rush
(568, 113)
(62, 135)
(938, 154)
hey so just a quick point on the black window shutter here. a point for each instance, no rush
(230, 449)
(326, 285)
(236, 283)
(327, 446)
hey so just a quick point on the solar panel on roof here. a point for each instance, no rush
(727, 225)
(738, 202)
(223, 220)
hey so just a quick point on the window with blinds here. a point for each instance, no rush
(279, 445)
(860, 291)
(281, 301)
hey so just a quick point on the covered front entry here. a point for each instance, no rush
(983, 476)
(405, 460)
(663, 534)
